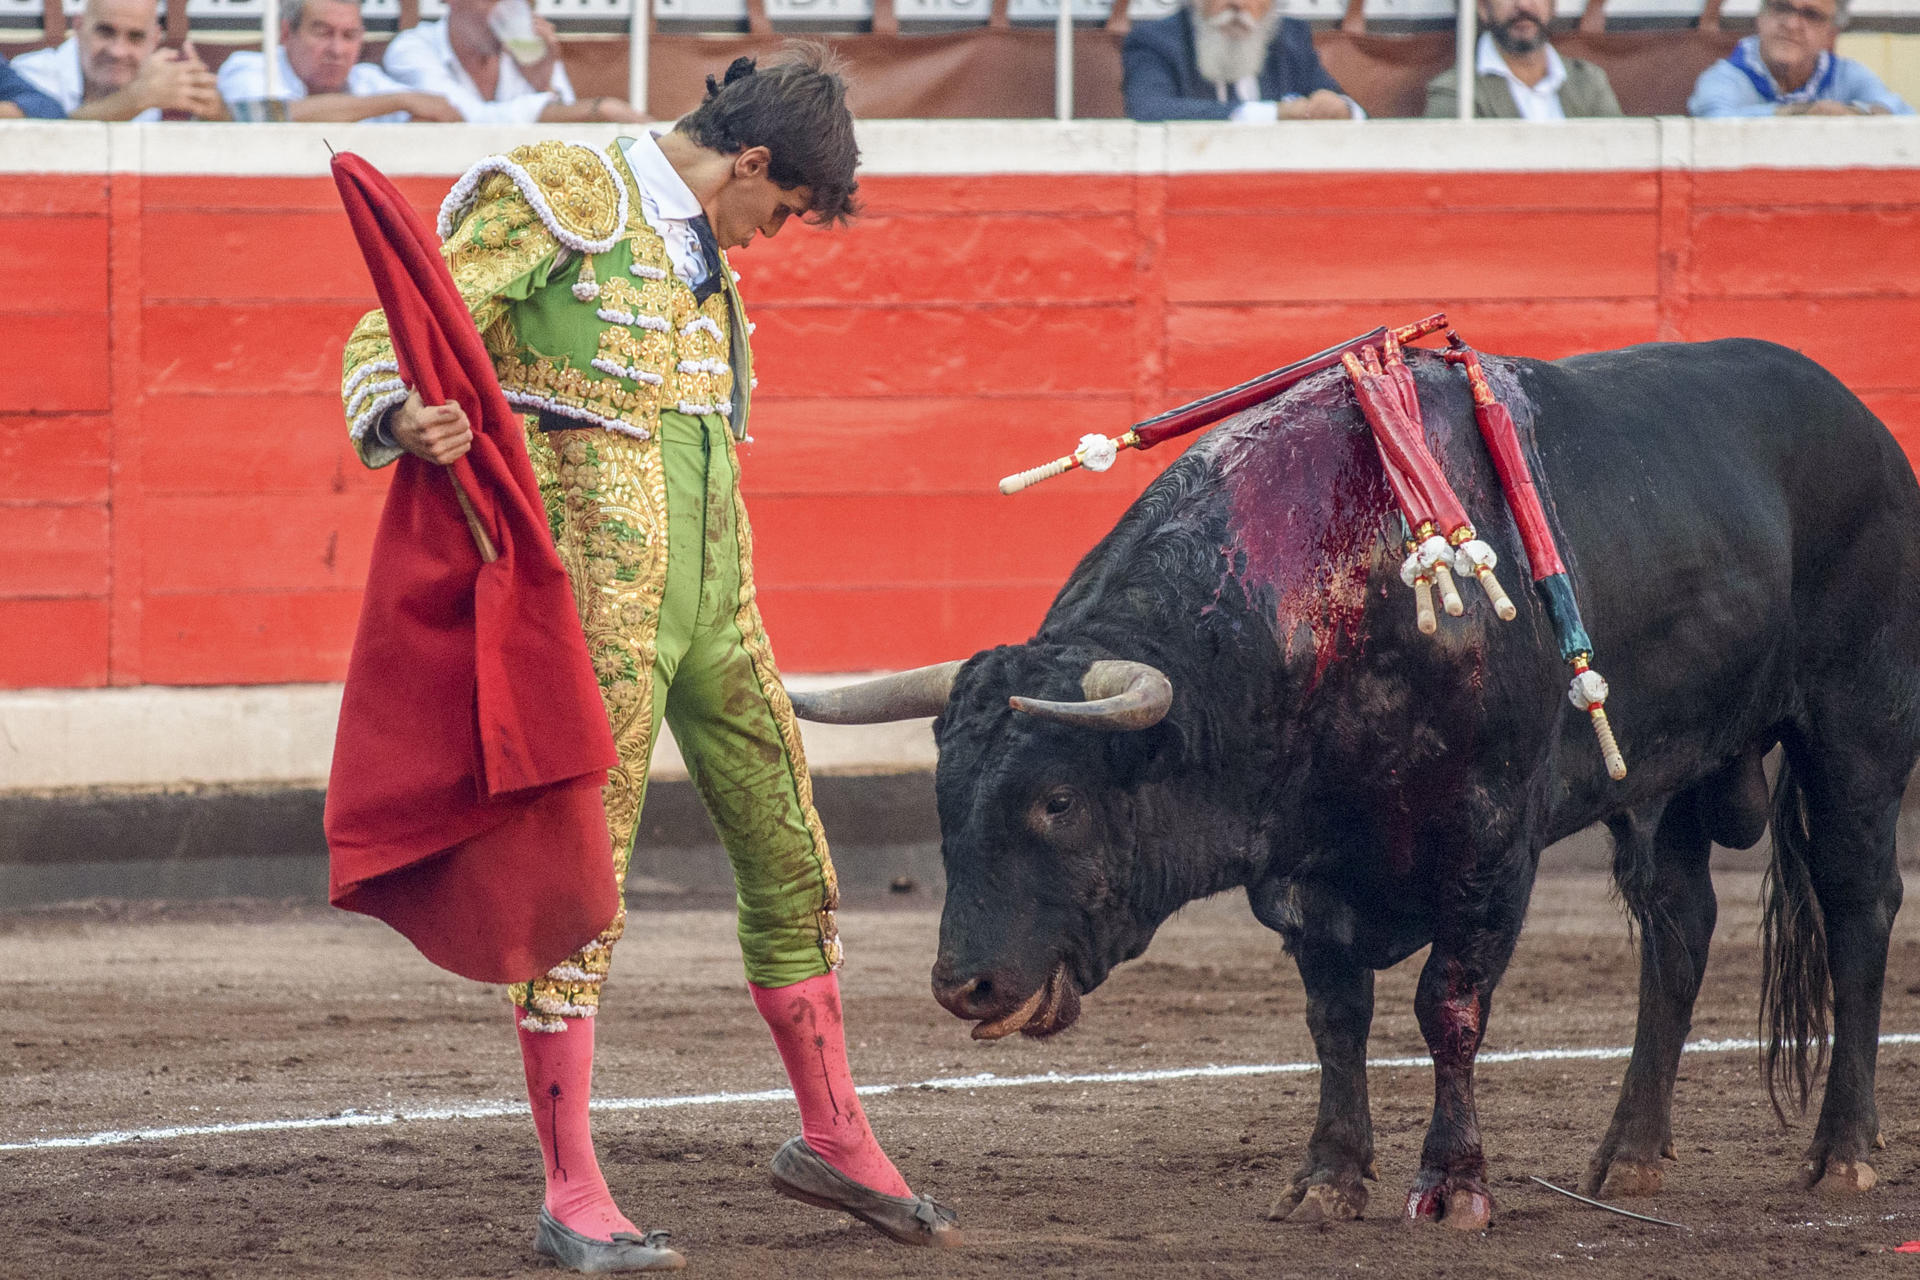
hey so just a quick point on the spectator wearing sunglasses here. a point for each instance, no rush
(1788, 68)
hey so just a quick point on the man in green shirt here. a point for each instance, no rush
(1518, 73)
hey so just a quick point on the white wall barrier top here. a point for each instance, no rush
(965, 147)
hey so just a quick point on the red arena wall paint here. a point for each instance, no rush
(178, 503)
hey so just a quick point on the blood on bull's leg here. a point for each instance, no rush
(1330, 1185)
(1452, 1002)
(1662, 874)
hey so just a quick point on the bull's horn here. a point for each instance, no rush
(905, 695)
(1121, 696)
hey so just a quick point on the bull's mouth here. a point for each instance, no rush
(1052, 1008)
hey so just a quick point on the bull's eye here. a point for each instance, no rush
(1059, 803)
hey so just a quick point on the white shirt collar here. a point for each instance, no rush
(1488, 62)
(659, 180)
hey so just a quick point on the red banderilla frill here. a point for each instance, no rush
(1588, 691)
(1442, 540)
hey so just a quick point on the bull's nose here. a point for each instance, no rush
(970, 997)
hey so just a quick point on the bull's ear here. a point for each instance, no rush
(1149, 755)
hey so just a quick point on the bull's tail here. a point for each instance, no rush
(1794, 980)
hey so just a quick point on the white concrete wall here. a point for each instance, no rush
(283, 734)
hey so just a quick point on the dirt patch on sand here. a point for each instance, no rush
(128, 1020)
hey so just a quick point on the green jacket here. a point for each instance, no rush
(1586, 93)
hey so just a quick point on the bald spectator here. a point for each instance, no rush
(113, 68)
(1519, 75)
(463, 59)
(1234, 60)
(321, 75)
(1787, 67)
(19, 98)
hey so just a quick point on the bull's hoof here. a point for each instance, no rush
(1837, 1179)
(1320, 1202)
(1629, 1179)
(1459, 1201)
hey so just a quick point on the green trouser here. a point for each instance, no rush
(706, 684)
(712, 680)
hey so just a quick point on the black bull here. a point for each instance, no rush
(1744, 537)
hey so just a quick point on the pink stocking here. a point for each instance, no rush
(808, 1030)
(559, 1081)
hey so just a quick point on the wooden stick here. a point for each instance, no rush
(1449, 594)
(481, 541)
(1034, 475)
(1423, 615)
(1609, 749)
(1502, 604)
(1601, 1204)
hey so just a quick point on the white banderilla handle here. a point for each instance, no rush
(1096, 453)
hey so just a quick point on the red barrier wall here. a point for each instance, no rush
(178, 503)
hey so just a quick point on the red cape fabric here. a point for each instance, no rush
(464, 806)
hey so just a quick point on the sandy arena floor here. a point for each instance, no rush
(211, 1016)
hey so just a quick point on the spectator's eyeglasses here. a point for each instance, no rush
(1813, 17)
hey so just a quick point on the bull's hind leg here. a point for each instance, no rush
(1662, 873)
(1854, 874)
(1330, 1184)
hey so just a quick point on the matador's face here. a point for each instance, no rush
(751, 203)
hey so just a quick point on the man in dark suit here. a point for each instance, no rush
(1229, 60)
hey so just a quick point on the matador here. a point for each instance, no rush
(599, 282)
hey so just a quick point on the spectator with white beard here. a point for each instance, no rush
(1236, 60)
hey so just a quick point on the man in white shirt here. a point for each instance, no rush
(461, 59)
(321, 75)
(113, 68)
(1518, 75)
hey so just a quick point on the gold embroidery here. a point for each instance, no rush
(644, 349)
(606, 498)
(500, 240)
(635, 297)
(753, 634)
(603, 397)
(576, 184)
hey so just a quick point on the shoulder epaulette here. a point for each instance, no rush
(570, 185)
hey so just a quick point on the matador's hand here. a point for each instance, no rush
(439, 433)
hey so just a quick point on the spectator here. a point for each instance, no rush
(19, 98)
(1788, 68)
(1519, 75)
(113, 68)
(321, 74)
(1228, 60)
(462, 59)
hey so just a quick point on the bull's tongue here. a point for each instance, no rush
(1012, 1022)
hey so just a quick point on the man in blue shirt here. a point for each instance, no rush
(19, 98)
(1788, 68)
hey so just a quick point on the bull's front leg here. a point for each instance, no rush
(1331, 1184)
(1452, 1003)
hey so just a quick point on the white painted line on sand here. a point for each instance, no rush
(986, 1080)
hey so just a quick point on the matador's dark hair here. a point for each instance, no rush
(795, 107)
